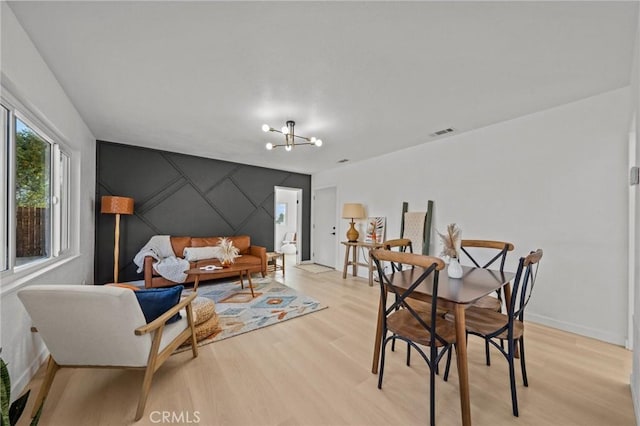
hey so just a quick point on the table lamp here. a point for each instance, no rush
(352, 211)
(117, 206)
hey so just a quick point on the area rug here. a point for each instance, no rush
(314, 268)
(239, 313)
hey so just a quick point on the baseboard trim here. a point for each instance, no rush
(577, 329)
(18, 386)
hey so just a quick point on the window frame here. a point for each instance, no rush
(12, 275)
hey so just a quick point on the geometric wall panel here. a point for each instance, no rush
(178, 194)
(241, 208)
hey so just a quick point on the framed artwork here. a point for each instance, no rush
(375, 230)
(281, 213)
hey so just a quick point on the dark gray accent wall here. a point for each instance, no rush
(177, 194)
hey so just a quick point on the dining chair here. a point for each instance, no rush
(497, 249)
(402, 245)
(477, 251)
(406, 323)
(509, 327)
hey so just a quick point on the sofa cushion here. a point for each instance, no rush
(242, 242)
(156, 301)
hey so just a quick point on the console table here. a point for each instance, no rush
(353, 248)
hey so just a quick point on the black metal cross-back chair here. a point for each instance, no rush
(403, 245)
(407, 324)
(500, 248)
(493, 326)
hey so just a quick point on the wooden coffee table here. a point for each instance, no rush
(241, 270)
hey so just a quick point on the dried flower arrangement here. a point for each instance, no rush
(228, 252)
(451, 241)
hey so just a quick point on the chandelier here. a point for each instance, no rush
(290, 137)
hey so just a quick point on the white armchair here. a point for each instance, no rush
(103, 326)
(289, 243)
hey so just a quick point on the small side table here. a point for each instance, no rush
(272, 262)
(353, 247)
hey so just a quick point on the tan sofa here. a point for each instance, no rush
(254, 256)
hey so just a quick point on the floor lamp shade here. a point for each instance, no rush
(117, 206)
(352, 211)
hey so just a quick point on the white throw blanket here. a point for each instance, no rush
(167, 265)
(172, 268)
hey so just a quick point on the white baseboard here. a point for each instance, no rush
(577, 329)
(17, 386)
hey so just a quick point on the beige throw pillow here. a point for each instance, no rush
(193, 254)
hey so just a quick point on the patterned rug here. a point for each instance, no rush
(239, 313)
(314, 268)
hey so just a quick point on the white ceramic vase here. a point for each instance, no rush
(454, 270)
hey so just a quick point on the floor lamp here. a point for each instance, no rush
(117, 206)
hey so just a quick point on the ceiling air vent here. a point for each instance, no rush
(442, 132)
(344, 160)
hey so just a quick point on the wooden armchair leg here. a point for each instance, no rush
(52, 368)
(194, 342)
(144, 393)
(148, 373)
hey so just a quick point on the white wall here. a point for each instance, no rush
(555, 180)
(28, 77)
(634, 197)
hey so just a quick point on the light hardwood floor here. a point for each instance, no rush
(316, 370)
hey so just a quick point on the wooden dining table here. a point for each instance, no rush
(454, 294)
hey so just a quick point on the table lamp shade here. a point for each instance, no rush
(113, 205)
(352, 211)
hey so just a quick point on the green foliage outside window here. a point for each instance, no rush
(32, 169)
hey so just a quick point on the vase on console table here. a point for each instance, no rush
(454, 270)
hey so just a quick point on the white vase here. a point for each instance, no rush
(454, 270)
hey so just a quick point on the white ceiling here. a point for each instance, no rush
(366, 77)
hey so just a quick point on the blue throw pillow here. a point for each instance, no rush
(156, 301)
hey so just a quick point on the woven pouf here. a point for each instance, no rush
(204, 316)
(207, 328)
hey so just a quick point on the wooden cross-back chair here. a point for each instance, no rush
(402, 245)
(493, 326)
(500, 248)
(497, 249)
(408, 324)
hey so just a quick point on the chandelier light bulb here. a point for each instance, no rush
(288, 147)
(266, 127)
(285, 130)
(313, 139)
(318, 142)
(269, 146)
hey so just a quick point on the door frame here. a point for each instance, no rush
(299, 201)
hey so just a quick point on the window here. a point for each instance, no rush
(35, 171)
(32, 195)
(4, 133)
